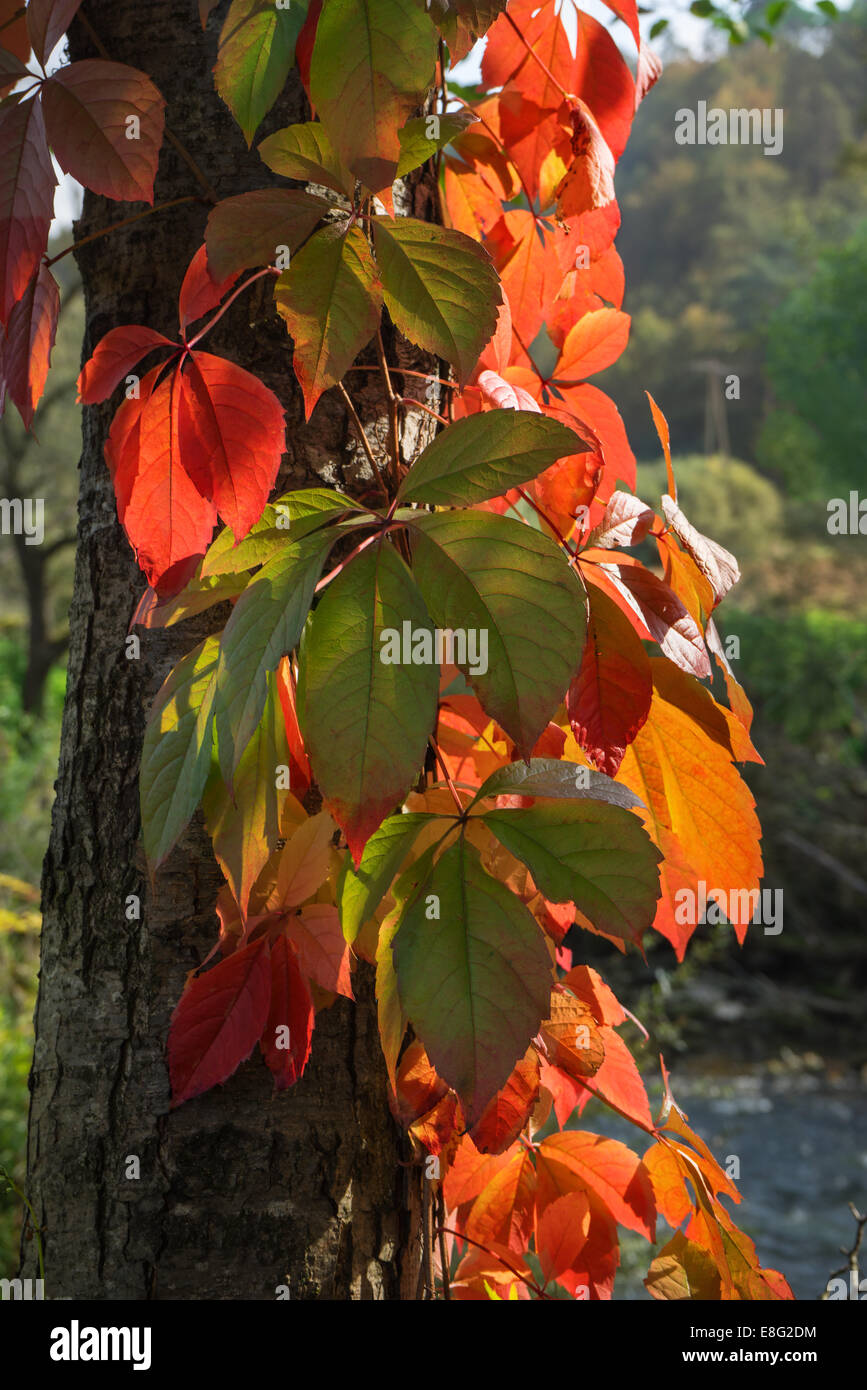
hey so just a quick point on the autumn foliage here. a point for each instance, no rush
(444, 822)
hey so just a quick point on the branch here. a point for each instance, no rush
(356, 420)
(852, 1260)
(116, 226)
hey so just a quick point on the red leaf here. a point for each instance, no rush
(29, 339)
(114, 357)
(609, 1169)
(14, 34)
(166, 519)
(588, 183)
(619, 1082)
(218, 1021)
(200, 291)
(419, 1087)
(304, 43)
(593, 344)
(668, 620)
(232, 438)
(323, 953)
(26, 198)
(584, 981)
(627, 10)
(604, 82)
(561, 1233)
(299, 763)
(291, 1008)
(503, 1211)
(88, 107)
(609, 699)
(47, 22)
(505, 1116)
(597, 412)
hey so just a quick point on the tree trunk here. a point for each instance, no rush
(240, 1191)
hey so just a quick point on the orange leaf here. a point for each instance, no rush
(611, 1170)
(506, 1115)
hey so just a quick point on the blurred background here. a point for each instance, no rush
(736, 264)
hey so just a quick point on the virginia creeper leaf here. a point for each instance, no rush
(218, 1021)
(553, 777)
(27, 185)
(231, 436)
(289, 518)
(361, 890)
(289, 1026)
(609, 1169)
(26, 353)
(249, 229)
(365, 722)
(200, 291)
(47, 22)
(590, 853)
(266, 623)
(114, 357)
(176, 753)
(331, 299)
(483, 456)
(609, 699)
(305, 152)
(89, 109)
(474, 982)
(244, 824)
(440, 288)
(256, 51)
(372, 62)
(597, 340)
(417, 147)
(477, 570)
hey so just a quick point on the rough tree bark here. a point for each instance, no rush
(240, 1191)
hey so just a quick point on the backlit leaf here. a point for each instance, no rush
(475, 982)
(30, 332)
(256, 51)
(487, 572)
(305, 152)
(218, 1021)
(27, 185)
(330, 298)
(372, 62)
(484, 455)
(47, 22)
(249, 229)
(361, 890)
(88, 108)
(440, 288)
(609, 1169)
(114, 358)
(365, 722)
(551, 777)
(586, 852)
(609, 699)
(289, 1026)
(176, 753)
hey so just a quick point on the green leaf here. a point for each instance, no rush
(373, 61)
(658, 27)
(250, 229)
(509, 583)
(475, 982)
(266, 623)
(461, 22)
(331, 299)
(597, 856)
(244, 824)
(828, 7)
(361, 890)
(305, 152)
(441, 289)
(292, 516)
(198, 595)
(365, 722)
(484, 455)
(256, 51)
(557, 778)
(176, 755)
(417, 146)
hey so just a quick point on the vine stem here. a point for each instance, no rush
(531, 1283)
(332, 574)
(269, 270)
(444, 1260)
(392, 407)
(116, 226)
(420, 405)
(172, 139)
(365, 442)
(445, 772)
(408, 371)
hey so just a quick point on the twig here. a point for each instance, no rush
(444, 1261)
(420, 405)
(531, 1283)
(269, 270)
(116, 226)
(445, 772)
(407, 371)
(392, 406)
(365, 442)
(851, 1264)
